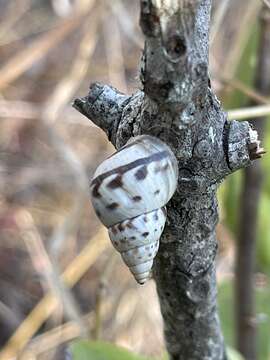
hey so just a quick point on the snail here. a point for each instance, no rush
(129, 191)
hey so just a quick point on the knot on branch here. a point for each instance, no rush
(175, 47)
(174, 68)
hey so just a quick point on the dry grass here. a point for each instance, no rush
(47, 154)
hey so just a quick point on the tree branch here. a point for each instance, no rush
(175, 61)
(178, 106)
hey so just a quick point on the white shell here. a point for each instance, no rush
(132, 186)
(140, 177)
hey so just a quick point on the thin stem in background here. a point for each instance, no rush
(101, 294)
(217, 20)
(67, 87)
(250, 12)
(252, 188)
(267, 3)
(47, 270)
(114, 52)
(25, 58)
(11, 17)
(249, 112)
(246, 90)
(48, 304)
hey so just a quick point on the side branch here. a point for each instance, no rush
(242, 145)
(104, 106)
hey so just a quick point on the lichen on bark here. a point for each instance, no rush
(178, 105)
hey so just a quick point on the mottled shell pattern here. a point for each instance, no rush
(129, 191)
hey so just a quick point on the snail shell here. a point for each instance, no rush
(129, 191)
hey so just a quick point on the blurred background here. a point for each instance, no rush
(50, 51)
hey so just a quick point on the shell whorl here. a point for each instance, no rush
(129, 191)
(137, 240)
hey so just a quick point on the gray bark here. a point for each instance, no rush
(253, 179)
(178, 106)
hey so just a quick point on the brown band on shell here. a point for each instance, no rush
(132, 165)
(95, 191)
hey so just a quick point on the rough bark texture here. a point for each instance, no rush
(253, 178)
(178, 106)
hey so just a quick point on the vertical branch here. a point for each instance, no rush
(175, 62)
(178, 106)
(253, 178)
